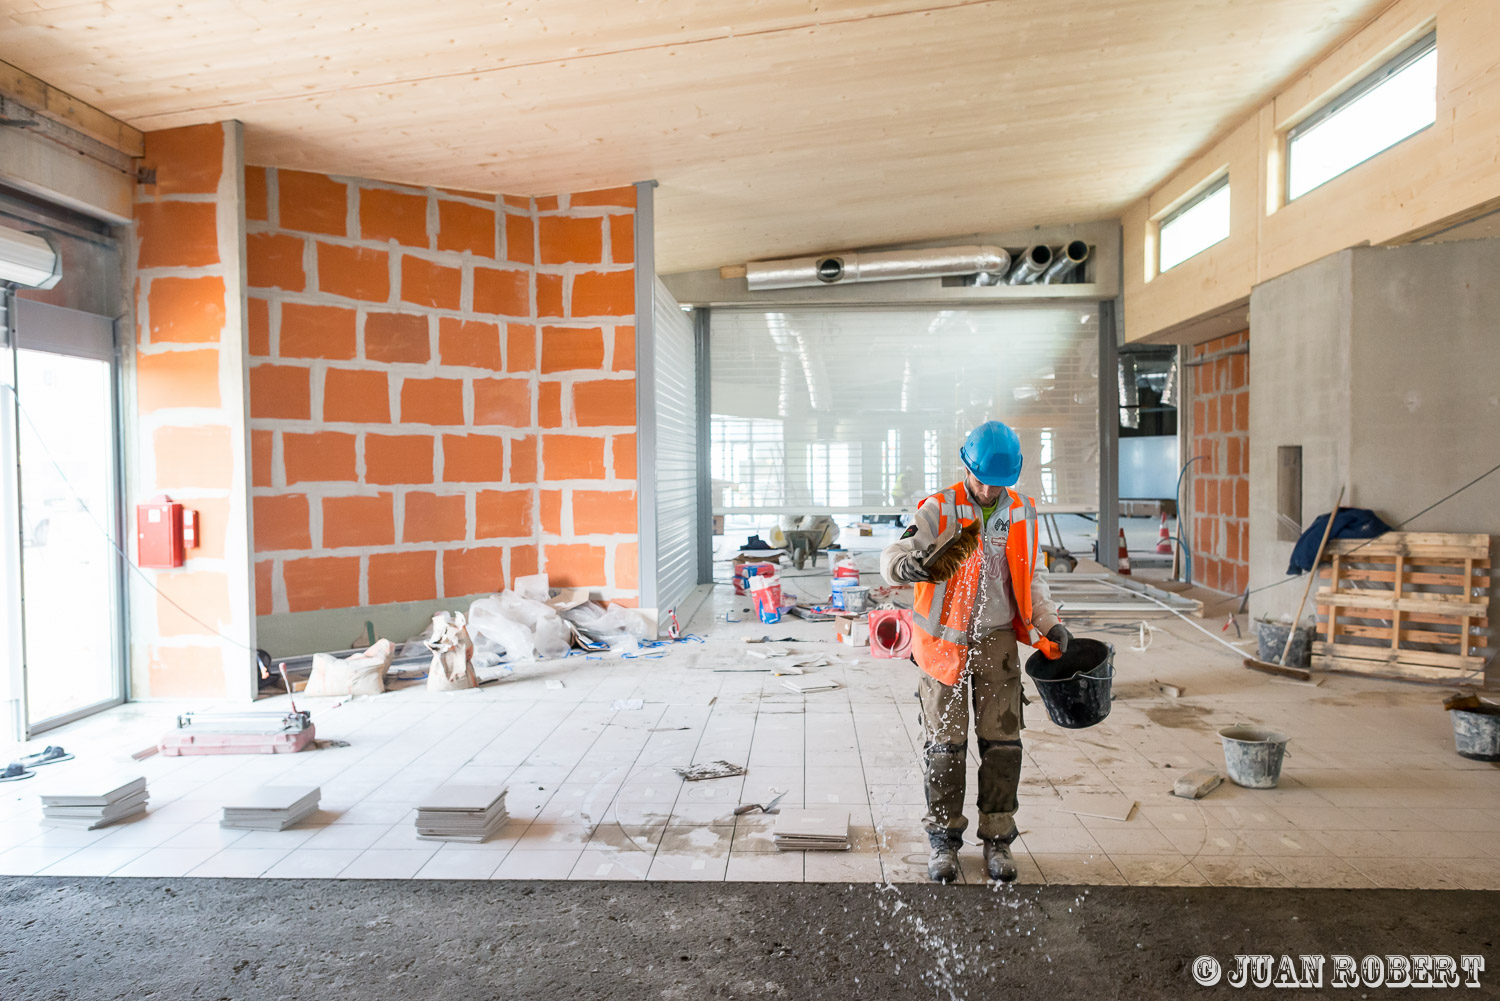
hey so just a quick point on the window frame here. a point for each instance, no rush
(1385, 71)
(1213, 187)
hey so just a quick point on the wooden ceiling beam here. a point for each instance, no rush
(65, 109)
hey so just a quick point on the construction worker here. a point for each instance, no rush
(972, 554)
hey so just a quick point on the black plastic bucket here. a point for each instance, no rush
(1075, 687)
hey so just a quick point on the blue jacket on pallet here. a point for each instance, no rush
(1350, 523)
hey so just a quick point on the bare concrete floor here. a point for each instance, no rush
(103, 939)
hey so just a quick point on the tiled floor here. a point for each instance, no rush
(1372, 793)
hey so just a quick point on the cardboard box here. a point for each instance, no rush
(852, 630)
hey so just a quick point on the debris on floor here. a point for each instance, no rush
(811, 830)
(555, 684)
(806, 686)
(1107, 806)
(1197, 784)
(1170, 691)
(49, 755)
(626, 705)
(712, 770)
(452, 667)
(360, 674)
(770, 806)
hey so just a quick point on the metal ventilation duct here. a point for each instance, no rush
(1170, 392)
(28, 259)
(845, 269)
(1130, 394)
(1030, 265)
(1074, 254)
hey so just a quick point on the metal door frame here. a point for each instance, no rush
(14, 338)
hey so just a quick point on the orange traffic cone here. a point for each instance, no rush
(1163, 537)
(1124, 558)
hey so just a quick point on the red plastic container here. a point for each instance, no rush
(890, 633)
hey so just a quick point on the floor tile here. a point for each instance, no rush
(1323, 870)
(687, 866)
(388, 863)
(1058, 840)
(1158, 870)
(842, 867)
(538, 865)
(1080, 869)
(239, 863)
(163, 862)
(26, 861)
(204, 836)
(766, 867)
(312, 863)
(611, 864)
(357, 836)
(92, 861)
(1406, 874)
(1244, 870)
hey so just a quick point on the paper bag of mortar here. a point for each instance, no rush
(452, 654)
(361, 674)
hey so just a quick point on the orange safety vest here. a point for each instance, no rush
(943, 610)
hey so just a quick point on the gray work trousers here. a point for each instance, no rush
(992, 681)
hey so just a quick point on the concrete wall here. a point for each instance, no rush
(1382, 364)
(1299, 395)
(1426, 379)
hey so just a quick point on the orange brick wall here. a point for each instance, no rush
(1221, 483)
(442, 390)
(189, 433)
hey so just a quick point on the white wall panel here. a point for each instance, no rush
(864, 409)
(676, 470)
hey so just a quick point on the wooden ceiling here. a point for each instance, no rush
(775, 127)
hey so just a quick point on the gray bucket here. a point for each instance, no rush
(1270, 636)
(1252, 756)
(1477, 734)
(857, 600)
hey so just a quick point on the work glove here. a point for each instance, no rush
(1059, 634)
(946, 563)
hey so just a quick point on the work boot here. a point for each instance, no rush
(998, 862)
(942, 864)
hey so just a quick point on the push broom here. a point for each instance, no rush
(1281, 667)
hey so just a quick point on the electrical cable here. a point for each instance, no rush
(1400, 524)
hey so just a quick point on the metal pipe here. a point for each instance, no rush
(893, 265)
(1030, 265)
(1074, 254)
(1209, 359)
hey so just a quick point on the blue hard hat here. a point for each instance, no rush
(992, 452)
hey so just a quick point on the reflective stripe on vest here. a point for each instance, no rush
(942, 648)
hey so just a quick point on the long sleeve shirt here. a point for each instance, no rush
(996, 605)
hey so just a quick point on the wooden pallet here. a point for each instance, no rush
(1408, 605)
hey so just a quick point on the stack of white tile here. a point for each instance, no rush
(811, 830)
(455, 812)
(86, 803)
(271, 808)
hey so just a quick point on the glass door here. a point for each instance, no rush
(66, 484)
